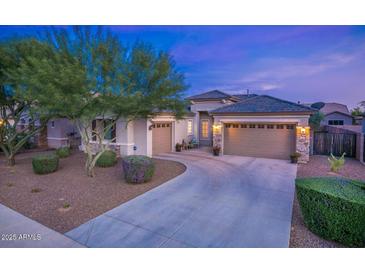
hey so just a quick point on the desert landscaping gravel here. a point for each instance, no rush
(318, 166)
(67, 198)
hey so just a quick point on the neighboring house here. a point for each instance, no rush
(244, 124)
(336, 114)
(61, 132)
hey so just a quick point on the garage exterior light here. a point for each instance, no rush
(217, 129)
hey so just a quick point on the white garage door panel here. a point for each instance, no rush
(161, 138)
(276, 143)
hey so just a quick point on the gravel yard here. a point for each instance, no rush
(67, 198)
(318, 166)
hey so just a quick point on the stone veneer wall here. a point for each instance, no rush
(302, 144)
(217, 139)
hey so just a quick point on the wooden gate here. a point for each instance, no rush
(325, 143)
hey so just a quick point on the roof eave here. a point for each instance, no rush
(261, 113)
(346, 114)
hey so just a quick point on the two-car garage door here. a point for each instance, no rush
(275, 141)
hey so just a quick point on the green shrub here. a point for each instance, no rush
(334, 208)
(63, 152)
(46, 163)
(107, 159)
(29, 144)
(336, 163)
(138, 168)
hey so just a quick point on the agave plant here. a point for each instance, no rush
(336, 163)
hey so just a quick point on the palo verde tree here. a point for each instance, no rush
(15, 107)
(99, 78)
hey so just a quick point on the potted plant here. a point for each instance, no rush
(216, 150)
(178, 147)
(294, 157)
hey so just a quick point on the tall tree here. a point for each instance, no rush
(14, 106)
(358, 111)
(92, 75)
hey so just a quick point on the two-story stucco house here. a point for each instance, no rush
(336, 114)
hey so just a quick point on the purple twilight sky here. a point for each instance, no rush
(297, 63)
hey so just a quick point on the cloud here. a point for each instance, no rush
(268, 86)
(279, 70)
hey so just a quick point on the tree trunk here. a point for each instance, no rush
(90, 171)
(11, 160)
(89, 168)
(89, 159)
(42, 138)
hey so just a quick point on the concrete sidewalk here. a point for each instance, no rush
(17, 230)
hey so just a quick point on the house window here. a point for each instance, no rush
(52, 124)
(243, 126)
(205, 128)
(110, 134)
(289, 126)
(228, 125)
(270, 126)
(261, 126)
(190, 127)
(280, 126)
(235, 126)
(252, 126)
(335, 122)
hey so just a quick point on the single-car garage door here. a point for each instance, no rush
(161, 137)
(275, 141)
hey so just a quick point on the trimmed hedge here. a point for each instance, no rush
(44, 164)
(107, 159)
(334, 208)
(138, 168)
(63, 152)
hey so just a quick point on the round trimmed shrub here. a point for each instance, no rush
(63, 152)
(138, 168)
(334, 208)
(44, 164)
(107, 159)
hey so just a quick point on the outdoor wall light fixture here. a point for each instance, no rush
(303, 130)
(217, 128)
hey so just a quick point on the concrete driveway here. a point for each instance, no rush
(227, 201)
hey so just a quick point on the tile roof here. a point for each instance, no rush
(333, 107)
(244, 96)
(213, 94)
(339, 112)
(263, 104)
